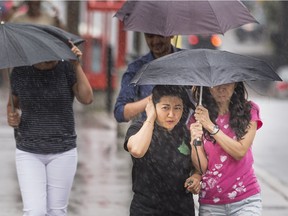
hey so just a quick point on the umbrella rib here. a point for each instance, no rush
(206, 58)
(216, 18)
(4, 39)
(24, 44)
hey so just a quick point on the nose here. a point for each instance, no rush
(171, 113)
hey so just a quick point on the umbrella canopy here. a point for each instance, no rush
(23, 45)
(58, 33)
(204, 67)
(179, 17)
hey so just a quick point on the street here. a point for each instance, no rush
(270, 147)
(102, 182)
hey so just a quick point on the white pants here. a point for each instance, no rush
(45, 181)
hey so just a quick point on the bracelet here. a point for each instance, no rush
(148, 121)
(215, 130)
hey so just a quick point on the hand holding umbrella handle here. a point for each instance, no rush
(197, 142)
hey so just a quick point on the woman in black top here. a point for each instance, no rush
(161, 154)
(43, 118)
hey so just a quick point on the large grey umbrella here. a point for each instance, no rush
(204, 67)
(22, 45)
(58, 33)
(28, 44)
(180, 17)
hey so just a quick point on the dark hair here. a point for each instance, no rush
(160, 91)
(239, 109)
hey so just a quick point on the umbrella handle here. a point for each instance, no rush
(10, 91)
(12, 103)
(200, 96)
(197, 142)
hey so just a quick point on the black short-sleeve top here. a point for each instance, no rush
(46, 102)
(158, 177)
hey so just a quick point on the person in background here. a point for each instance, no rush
(132, 100)
(162, 173)
(40, 109)
(228, 122)
(36, 15)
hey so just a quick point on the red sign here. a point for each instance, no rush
(108, 5)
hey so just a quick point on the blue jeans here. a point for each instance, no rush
(251, 206)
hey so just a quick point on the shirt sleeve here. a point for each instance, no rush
(127, 92)
(15, 78)
(255, 115)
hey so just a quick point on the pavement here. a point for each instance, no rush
(102, 183)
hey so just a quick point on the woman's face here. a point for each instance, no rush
(223, 93)
(169, 111)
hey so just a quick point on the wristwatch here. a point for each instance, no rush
(215, 130)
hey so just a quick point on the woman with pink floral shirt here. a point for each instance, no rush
(227, 123)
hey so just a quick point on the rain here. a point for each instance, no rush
(103, 183)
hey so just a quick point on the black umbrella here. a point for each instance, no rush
(204, 67)
(22, 45)
(59, 33)
(180, 17)
(28, 44)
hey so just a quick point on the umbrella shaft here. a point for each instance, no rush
(200, 96)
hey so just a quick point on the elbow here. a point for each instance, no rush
(136, 152)
(119, 116)
(88, 101)
(239, 155)
(238, 158)
(86, 98)
(203, 168)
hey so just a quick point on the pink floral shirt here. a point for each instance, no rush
(228, 180)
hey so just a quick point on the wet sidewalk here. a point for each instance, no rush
(102, 184)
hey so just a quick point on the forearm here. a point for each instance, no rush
(13, 112)
(232, 147)
(131, 110)
(237, 149)
(199, 158)
(12, 104)
(82, 88)
(139, 143)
